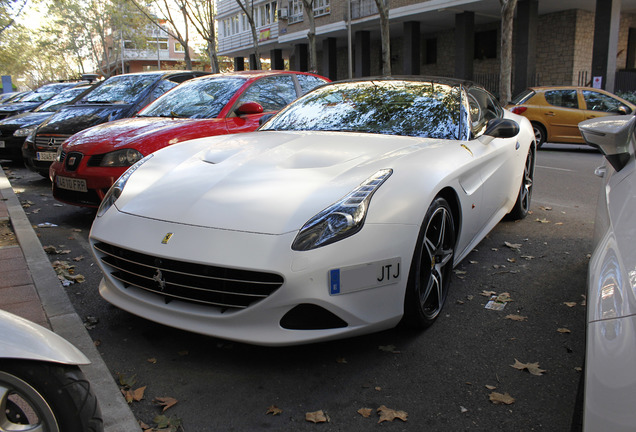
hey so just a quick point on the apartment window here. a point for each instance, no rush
(267, 14)
(152, 44)
(178, 48)
(321, 7)
(486, 45)
(295, 11)
(129, 45)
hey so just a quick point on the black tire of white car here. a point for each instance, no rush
(431, 268)
(52, 396)
(524, 198)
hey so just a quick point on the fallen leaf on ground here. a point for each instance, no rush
(544, 220)
(127, 381)
(511, 260)
(462, 409)
(516, 317)
(316, 417)
(498, 398)
(388, 348)
(388, 414)
(545, 208)
(152, 360)
(274, 410)
(378, 388)
(503, 298)
(564, 330)
(165, 402)
(570, 304)
(527, 257)
(488, 293)
(515, 246)
(167, 424)
(365, 412)
(341, 360)
(490, 387)
(533, 368)
(78, 258)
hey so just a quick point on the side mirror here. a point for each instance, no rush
(249, 108)
(622, 110)
(502, 128)
(612, 135)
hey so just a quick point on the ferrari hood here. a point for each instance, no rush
(74, 118)
(266, 182)
(108, 136)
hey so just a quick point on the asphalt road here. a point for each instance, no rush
(442, 377)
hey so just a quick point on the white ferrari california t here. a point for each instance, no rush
(343, 214)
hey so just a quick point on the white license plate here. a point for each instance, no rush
(1, 144)
(77, 185)
(364, 276)
(46, 156)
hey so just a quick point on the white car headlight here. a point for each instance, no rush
(121, 158)
(118, 187)
(25, 131)
(343, 218)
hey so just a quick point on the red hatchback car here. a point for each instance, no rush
(89, 162)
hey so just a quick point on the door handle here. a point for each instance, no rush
(551, 114)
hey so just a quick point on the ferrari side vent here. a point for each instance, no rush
(223, 287)
(311, 317)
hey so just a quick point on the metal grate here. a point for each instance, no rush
(198, 283)
(50, 141)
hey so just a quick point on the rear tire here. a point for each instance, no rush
(46, 396)
(429, 276)
(540, 134)
(524, 198)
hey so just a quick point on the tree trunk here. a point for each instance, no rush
(383, 9)
(308, 6)
(250, 17)
(505, 69)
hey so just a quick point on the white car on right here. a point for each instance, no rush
(610, 365)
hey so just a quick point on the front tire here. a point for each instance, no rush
(429, 276)
(48, 397)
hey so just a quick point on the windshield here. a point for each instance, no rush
(411, 108)
(199, 98)
(120, 89)
(59, 100)
(46, 92)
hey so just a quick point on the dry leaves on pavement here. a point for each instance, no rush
(317, 417)
(498, 398)
(165, 402)
(388, 414)
(533, 368)
(274, 410)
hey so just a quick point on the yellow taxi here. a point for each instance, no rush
(555, 112)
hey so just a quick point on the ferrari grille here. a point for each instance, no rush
(191, 282)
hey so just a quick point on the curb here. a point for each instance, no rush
(64, 320)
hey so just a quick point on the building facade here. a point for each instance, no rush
(160, 51)
(555, 42)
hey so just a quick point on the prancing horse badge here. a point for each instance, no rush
(166, 238)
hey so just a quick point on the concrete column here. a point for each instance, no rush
(464, 45)
(606, 22)
(525, 47)
(329, 58)
(301, 58)
(411, 52)
(362, 56)
(239, 63)
(276, 56)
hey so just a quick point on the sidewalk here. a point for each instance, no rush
(30, 288)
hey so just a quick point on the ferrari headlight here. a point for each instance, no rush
(121, 158)
(23, 132)
(118, 187)
(343, 218)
